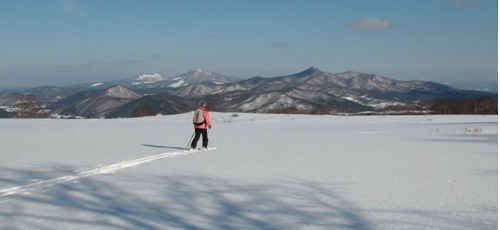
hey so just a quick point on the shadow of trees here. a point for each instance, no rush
(177, 202)
(125, 201)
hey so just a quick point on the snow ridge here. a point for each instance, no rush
(92, 172)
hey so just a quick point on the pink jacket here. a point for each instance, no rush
(206, 116)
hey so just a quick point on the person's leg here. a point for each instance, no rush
(196, 137)
(205, 138)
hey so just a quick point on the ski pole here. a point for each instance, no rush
(190, 139)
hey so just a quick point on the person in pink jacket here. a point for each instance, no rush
(201, 122)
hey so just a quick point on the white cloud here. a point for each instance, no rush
(370, 24)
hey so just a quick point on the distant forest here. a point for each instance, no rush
(483, 105)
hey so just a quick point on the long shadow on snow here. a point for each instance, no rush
(165, 147)
(200, 202)
(180, 202)
(21, 176)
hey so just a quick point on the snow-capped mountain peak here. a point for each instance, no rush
(120, 92)
(310, 71)
(150, 78)
(96, 84)
(199, 72)
(198, 76)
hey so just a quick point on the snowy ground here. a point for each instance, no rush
(268, 172)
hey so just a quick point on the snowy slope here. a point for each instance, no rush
(268, 172)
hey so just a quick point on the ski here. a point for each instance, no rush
(201, 149)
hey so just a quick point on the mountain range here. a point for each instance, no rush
(309, 91)
(156, 82)
(94, 103)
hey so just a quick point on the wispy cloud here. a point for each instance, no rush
(370, 24)
(279, 44)
(458, 4)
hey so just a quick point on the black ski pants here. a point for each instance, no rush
(197, 133)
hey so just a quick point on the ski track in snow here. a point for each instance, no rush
(40, 185)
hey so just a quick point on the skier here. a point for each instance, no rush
(201, 122)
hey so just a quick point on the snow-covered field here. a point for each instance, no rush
(268, 172)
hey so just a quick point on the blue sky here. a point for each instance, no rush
(62, 42)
